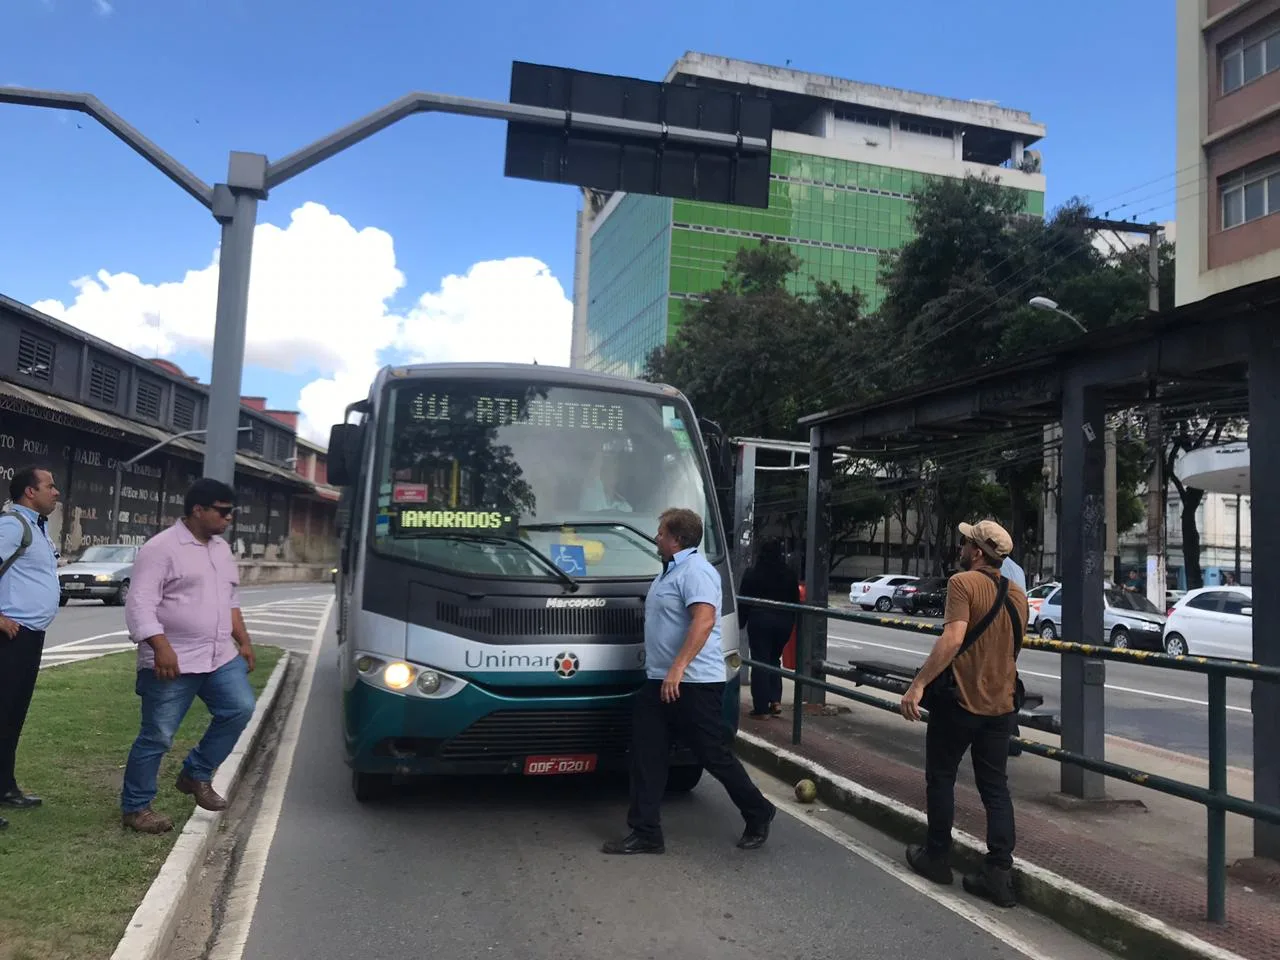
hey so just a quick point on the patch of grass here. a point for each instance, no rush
(71, 876)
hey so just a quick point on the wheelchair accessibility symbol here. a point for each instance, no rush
(570, 557)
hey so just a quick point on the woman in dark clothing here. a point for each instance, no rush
(768, 631)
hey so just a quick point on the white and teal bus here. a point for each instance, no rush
(497, 546)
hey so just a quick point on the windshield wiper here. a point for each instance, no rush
(546, 561)
(587, 523)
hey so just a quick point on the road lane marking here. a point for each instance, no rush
(98, 636)
(1050, 676)
(281, 636)
(963, 907)
(243, 901)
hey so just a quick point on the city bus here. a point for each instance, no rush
(498, 525)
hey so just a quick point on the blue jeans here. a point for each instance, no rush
(227, 694)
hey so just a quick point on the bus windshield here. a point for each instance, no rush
(474, 473)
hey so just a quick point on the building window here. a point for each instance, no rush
(257, 439)
(866, 119)
(146, 402)
(35, 357)
(1248, 57)
(184, 412)
(928, 129)
(104, 384)
(284, 447)
(1250, 194)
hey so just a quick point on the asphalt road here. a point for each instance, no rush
(510, 868)
(1162, 708)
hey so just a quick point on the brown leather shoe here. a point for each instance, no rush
(147, 821)
(203, 792)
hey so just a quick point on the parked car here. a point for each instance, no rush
(101, 572)
(927, 596)
(1036, 597)
(1212, 622)
(1128, 619)
(877, 592)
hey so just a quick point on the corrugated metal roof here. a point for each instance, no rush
(109, 424)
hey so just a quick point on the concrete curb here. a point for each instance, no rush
(1120, 929)
(153, 923)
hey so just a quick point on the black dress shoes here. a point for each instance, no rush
(19, 800)
(634, 843)
(755, 836)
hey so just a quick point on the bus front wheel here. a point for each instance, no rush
(370, 787)
(683, 779)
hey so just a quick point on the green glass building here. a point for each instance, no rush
(848, 159)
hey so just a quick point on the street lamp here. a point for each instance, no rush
(1044, 303)
(120, 465)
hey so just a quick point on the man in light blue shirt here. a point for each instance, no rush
(1013, 573)
(29, 594)
(683, 696)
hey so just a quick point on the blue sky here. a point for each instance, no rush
(201, 77)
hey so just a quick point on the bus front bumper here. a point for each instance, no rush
(474, 732)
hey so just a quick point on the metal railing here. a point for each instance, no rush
(1217, 801)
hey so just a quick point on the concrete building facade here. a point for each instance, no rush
(848, 159)
(1228, 145)
(80, 406)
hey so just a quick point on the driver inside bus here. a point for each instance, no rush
(603, 489)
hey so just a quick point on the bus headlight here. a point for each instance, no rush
(428, 682)
(397, 675)
(366, 664)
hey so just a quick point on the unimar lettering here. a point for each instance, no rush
(576, 603)
(477, 659)
(452, 520)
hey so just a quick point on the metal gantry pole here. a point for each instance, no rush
(234, 205)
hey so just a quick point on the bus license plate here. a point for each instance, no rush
(543, 766)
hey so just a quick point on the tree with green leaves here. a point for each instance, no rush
(956, 300)
(749, 356)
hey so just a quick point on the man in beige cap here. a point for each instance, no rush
(969, 685)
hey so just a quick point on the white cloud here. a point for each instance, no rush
(510, 310)
(103, 7)
(318, 300)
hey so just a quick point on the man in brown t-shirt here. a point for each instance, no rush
(975, 713)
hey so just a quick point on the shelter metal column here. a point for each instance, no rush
(744, 500)
(817, 555)
(1083, 544)
(1264, 458)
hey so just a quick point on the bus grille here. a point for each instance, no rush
(510, 733)
(622, 622)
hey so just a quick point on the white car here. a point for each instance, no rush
(1212, 622)
(877, 592)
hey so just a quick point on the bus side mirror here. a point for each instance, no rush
(344, 454)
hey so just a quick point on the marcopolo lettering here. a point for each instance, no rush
(575, 603)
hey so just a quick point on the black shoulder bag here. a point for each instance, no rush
(941, 690)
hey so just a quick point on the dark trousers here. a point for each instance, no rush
(19, 667)
(696, 720)
(952, 731)
(766, 637)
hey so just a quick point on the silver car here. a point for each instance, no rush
(101, 573)
(1129, 620)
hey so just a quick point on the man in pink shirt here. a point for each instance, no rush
(183, 611)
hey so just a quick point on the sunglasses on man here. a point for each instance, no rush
(226, 512)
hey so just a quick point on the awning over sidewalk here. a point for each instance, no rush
(54, 409)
